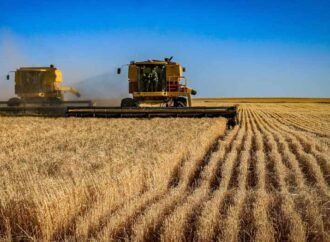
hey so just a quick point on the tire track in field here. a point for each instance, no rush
(308, 145)
(302, 122)
(298, 127)
(305, 142)
(95, 218)
(119, 226)
(97, 212)
(310, 212)
(288, 225)
(296, 123)
(281, 123)
(69, 230)
(312, 160)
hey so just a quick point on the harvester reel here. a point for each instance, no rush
(129, 103)
(14, 102)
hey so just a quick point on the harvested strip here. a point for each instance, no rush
(208, 228)
(291, 217)
(150, 223)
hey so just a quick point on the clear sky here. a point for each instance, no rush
(229, 48)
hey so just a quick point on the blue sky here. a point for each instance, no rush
(230, 48)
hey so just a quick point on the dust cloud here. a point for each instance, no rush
(104, 89)
(11, 57)
(102, 84)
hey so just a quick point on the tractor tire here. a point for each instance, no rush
(180, 102)
(129, 103)
(14, 102)
(54, 102)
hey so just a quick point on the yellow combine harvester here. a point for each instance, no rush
(157, 82)
(151, 82)
(39, 85)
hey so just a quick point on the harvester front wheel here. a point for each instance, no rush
(54, 101)
(180, 102)
(14, 102)
(129, 103)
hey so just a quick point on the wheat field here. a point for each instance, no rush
(267, 179)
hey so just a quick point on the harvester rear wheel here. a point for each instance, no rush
(129, 103)
(14, 102)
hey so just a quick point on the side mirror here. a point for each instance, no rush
(118, 71)
(7, 77)
(183, 69)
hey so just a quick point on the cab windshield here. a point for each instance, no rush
(152, 78)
